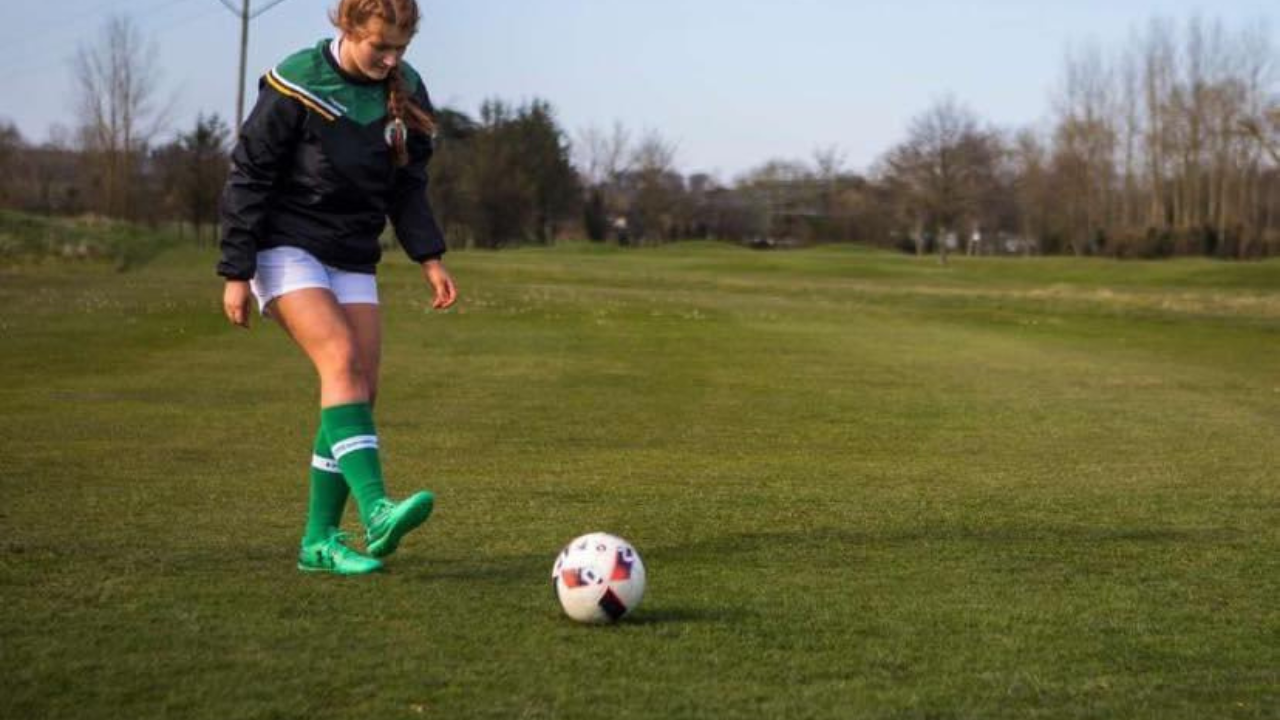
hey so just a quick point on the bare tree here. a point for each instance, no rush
(117, 82)
(604, 160)
(1260, 108)
(1266, 131)
(656, 209)
(1157, 71)
(780, 191)
(193, 169)
(1033, 188)
(1129, 121)
(588, 155)
(11, 145)
(1085, 144)
(829, 162)
(602, 157)
(945, 166)
(654, 154)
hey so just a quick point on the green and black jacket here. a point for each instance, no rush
(313, 169)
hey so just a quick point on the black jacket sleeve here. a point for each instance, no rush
(264, 149)
(410, 209)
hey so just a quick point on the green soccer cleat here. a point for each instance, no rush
(392, 520)
(332, 555)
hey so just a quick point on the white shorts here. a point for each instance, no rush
(282, 270)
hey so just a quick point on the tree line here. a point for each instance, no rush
(1167, 145)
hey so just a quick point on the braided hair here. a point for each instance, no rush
(351, 15)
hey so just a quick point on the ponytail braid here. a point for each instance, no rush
(405, 114)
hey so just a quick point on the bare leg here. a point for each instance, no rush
(343, 344)
(366, 324)
(319, 326)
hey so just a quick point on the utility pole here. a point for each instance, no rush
(244, 59)
(245, 13)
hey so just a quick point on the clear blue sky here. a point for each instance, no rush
(732, 82)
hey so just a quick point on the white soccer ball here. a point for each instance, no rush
(599, 578)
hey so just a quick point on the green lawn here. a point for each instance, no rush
(864, 486)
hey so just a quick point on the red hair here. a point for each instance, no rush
(352, 15)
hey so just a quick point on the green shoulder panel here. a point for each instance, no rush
(306, 68)
(309, 78)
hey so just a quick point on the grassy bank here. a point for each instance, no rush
(35, 239)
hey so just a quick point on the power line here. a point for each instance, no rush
(253, 13)
(265, 8)
(53, 28)
(245, 13)
(203, 12)
(80, 18)
(26, 62)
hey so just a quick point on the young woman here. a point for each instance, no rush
(338, 143)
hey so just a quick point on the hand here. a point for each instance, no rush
(235, 302)
(441, 284)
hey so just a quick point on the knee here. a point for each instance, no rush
(341, 364)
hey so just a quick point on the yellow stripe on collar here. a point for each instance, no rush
(300, 98)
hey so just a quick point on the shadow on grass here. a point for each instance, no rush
(500, 570)
(821, 538)
(525, 571)
(665, 615)
(422, 566)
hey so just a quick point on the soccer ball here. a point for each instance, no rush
(599, 578)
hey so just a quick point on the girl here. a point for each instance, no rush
(337, 143)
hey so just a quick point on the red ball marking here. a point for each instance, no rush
(572, 578)
(621, 568)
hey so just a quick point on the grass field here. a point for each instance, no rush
(865, 486)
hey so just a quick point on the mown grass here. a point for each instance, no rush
(864, 485)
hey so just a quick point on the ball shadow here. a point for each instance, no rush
(682, 615)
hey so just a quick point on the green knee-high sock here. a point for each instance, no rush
(328, 492)
(354, 442)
